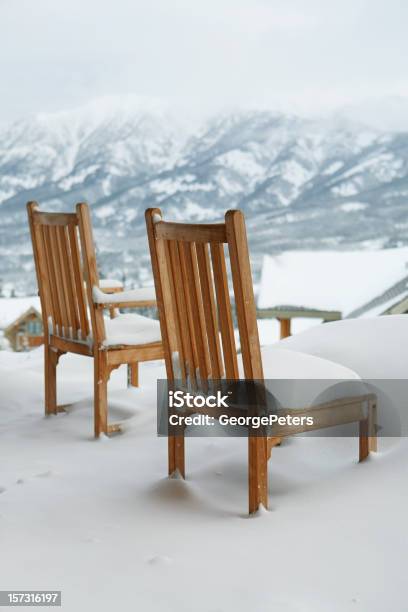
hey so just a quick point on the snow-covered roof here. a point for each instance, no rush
(16, 322)
(330, 280)
(12, 308)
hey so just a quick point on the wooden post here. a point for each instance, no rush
(285, 331)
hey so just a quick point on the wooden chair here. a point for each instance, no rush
(73, 305)
(193, 297)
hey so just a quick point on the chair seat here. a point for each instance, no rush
(298, 380)
(130, 330)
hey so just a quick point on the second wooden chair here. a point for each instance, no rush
(73, 305)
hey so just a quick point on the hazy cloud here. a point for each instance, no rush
(297, 55)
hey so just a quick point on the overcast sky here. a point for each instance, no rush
(300, 55)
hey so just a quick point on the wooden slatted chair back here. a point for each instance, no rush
(193, 297)
(64, 257)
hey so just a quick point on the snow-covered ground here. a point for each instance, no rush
(100, 520)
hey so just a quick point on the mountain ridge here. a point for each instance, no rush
(302, 183)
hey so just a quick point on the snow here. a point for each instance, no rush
(243, 162)
(105, 283)
(4, 194)
(345, 189)
(130, 214)
(383, 339)
(269, 329)
(194, 211)
(330, 280)
(12, 308)
(334, 167)
(131, 329)
(384, 167)
(106, 211)
(227, 185)
(353, 206)
(74, 179)
(140, 294)
(295, 173)
(170, 186)
(101, 521)
(376, 349)
(281, 365)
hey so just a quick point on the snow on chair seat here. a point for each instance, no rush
(145, 295)
(131, 329)
(376, 349)
(373, 347)
(279, 363)
(324, 378)
(65, 262)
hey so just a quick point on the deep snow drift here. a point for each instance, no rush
(100, 520)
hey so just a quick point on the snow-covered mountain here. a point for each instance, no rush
(302, 183)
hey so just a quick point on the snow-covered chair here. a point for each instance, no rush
(376, 349)
(193, 296)
(73, 305)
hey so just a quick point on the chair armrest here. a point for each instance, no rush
(135, 298)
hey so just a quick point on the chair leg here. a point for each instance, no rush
(372, 426)
(257, 472)
(50, 371)
(176, 454)
(368, 432)
(134, 374)
(363, 440)
(101, 376)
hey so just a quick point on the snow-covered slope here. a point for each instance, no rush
(101, 522)
(302, 183)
